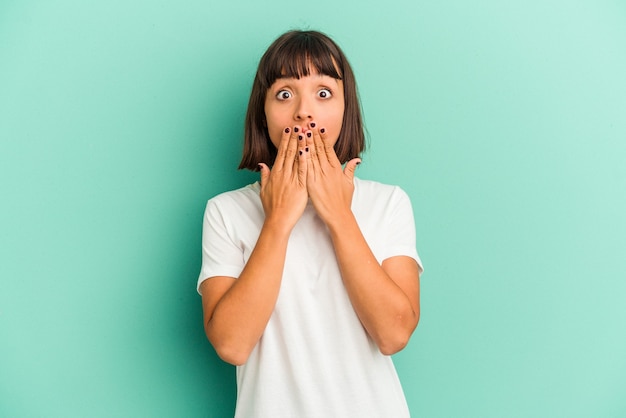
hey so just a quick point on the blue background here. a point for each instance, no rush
(504, 121)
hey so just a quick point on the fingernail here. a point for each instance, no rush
(260, 166)
(300, 152)
(308, 134)
(300, 137)
(312, 124)
(295, 129)
(306, 149)
(322, 130)
(286, 130)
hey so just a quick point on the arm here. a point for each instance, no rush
(385, 297)
(236, 311)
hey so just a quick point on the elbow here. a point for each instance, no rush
(230, 356)
(396, 341)
(393, 345)
(229, 351)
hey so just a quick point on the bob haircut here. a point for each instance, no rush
(292, 55)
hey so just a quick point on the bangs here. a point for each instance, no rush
(297, 58)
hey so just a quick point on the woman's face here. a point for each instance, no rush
(297, 102)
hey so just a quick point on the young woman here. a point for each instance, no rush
(310, 278)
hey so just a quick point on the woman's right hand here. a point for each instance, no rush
(283, 188)
(236, 310)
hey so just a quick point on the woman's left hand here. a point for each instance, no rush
(329, 186)
(385, 297)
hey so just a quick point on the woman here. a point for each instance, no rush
(310, 278)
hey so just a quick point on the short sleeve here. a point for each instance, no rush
(221, 255)
(400, 236)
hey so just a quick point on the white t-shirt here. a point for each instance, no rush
(314, 358)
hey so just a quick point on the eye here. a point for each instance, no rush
(324, 94)
(283, 95)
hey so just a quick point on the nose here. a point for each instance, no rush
(303, 110)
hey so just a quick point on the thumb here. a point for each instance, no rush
(351, 167)
(265, 173)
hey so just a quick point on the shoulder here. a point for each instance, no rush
(373, 191)
(380, 201)
(246, 194)
(235, 203)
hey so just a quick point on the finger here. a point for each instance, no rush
(310, 166)
(303, 154)
(292, 148)
(265, 174)
(300, 150)
(318, 144)
(350, 168)
(282, 149)
(329, 148)
(301, 135)
(310, 143)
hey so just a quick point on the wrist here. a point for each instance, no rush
(277, 227)
(339, 222)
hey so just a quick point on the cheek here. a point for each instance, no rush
(336, 122)
(275, 135)
(275, 132)
(273, 127)
(276, 115)
(340, 118)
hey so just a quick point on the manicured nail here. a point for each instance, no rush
(286, 130)
(295, 129)
(322, 130)
(312, 124)
(260, 166)
(358, 162)
(308, 134)
(306, 149)
(300, 152)
(300, 137)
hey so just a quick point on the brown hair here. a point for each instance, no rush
(290, 56)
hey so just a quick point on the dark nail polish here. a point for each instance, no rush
(286, 130)
(300, 152)
(322, 130)
(306, 149)
(300, 137)
(308, 134)
(312, 124)
(295, 129)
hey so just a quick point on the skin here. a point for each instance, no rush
(304, 118)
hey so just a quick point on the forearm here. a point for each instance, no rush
(382, 306)
(241, 315)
